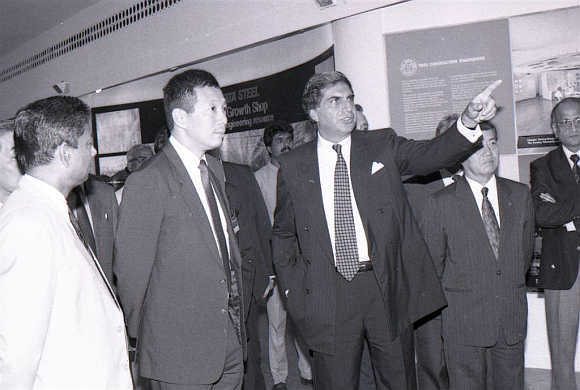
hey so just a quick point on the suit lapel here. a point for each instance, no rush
(561, 170)
(186, 189)
(507, 215)
(309, 176)
(360, 172)
(97, 212)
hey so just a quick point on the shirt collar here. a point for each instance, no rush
(44, 190)
(568, 153)
(476, 186)
(326, 146)
(184, 153)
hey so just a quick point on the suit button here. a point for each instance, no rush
(553, 266)
(307, 291)
(250, 261)
(578, 248)
(224, 311)
(307, 228)
(498, 273)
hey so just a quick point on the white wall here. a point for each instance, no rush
(189, 31)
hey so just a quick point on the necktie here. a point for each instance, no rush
(75, 223)
(346, 249)
(234, 303)
(575, 169)
(490, 222)
(75, 202)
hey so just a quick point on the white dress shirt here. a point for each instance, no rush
(191, 163)
(267, 178)
(491, 195)
(326, 164)
(60, 327)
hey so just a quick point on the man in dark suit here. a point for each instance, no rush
(176, 258)
(480, 235)
(556, 195)
(349, 256)
(431, 368)
(247, 207)
(95, 206)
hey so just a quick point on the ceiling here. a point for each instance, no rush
(22, 20)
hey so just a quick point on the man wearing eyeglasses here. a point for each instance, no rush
(556, 194)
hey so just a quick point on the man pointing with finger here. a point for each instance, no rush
(350, 260)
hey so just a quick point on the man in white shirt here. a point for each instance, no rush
(479, 231)
(177, 262)
(60, 324)
(278, 139)
(9, 173)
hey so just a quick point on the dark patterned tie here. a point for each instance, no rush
(490, 222)
(75, 202)
(347, 262)
(75, 223)
(234, 303)
(575, 169)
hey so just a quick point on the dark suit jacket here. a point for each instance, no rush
(248, 208)
(483, 293)
(104, 209)
(560, 248)
(418, 189)
(303, 256)
(170, 276)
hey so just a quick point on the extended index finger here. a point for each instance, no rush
(486, 93)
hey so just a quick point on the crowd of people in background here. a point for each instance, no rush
(400, 264)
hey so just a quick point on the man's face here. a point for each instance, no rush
(335, 115)
(9, 172)
(205, 126)
(567, 126)
(81, 158)
(281, 143)
(481, 165)
(361, 121)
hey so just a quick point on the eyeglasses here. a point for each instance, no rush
(568, 123)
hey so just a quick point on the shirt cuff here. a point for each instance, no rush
(472, 135)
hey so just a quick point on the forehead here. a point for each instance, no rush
(340, 89)
(206, 95)
(568, 109)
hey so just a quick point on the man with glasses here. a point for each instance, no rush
(555, 189)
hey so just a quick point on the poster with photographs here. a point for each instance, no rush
(546, 69)
(435, 72)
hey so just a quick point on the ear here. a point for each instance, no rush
(313, 115)
(63, 154)
(555, 129)
(179, 115)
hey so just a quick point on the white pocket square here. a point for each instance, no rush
(377, 166)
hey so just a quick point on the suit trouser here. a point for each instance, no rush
(277, 342)
(472, 368)
(360, 315)
(253, 377)
(232, 375)
(431, 367)
(562, 309)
